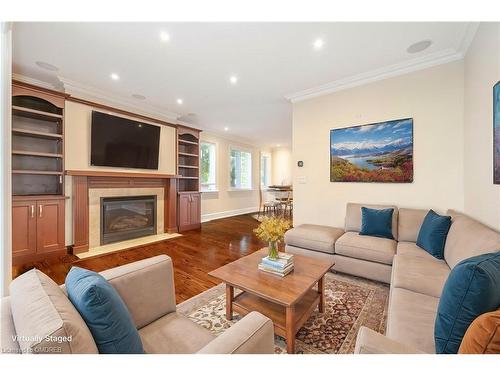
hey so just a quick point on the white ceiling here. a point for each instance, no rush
(271, 60)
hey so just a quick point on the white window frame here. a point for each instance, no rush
(214, 184)
(246, 150)
(267, 156)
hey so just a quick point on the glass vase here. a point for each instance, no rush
(273, 250)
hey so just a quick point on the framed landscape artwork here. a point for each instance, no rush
(380, 152)
(496, 133)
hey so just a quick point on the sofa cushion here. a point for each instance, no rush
(409, 222)
(374, 249)
(308, 252)
(314, 237)
(410, 319)
(483, 335)
(174, 334)
(104, 311)
(353, 217)
(40, 310)
(472, 289)
(467, 238)
(376, 223)
(411, 249)
(421, 275)
(362, 268)
(433, 233)
(139, 283)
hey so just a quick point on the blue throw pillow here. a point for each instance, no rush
(376, 223)
(433, 233)
(104, 312)
(472, 289)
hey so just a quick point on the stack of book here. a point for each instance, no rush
(281, 266)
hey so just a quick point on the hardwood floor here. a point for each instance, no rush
(194, 255)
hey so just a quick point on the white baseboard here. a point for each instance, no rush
(223, 214)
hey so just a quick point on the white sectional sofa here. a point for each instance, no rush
(416, 278)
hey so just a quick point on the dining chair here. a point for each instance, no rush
(286, 203)
(266, 207)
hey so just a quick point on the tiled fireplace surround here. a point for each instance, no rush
(89, 187)
(95, 196)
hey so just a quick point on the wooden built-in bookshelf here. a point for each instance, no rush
(37, 143)
(188, 185)
(37, 174)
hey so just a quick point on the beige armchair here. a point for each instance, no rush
(37, 308)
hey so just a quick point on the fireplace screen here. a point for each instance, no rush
(124, 218)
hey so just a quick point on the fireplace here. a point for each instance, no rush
(124, 218)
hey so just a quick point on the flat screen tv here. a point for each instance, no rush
(120, 142)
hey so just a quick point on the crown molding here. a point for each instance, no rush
(221, 135)
(35, 82)
(78, 90)
(424, 62)
(82, 91)
(185, 123)
(234, 139)
(6, 26)
(420, 63)
(467, 37)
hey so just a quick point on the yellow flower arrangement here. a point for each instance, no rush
(272, 230)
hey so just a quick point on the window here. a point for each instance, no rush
(265, 169)
(207, 171)
(240, 169)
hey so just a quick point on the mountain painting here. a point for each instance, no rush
(496, 133)
(380, 152)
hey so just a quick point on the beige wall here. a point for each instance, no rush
(433, 97)
(77, 121)
(482, 71)
(281, 166)
(226, 202)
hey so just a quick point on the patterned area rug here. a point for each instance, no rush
(351, 302)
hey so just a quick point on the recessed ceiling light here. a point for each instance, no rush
(233, 80)
(47, 66)
(164, 36)
(226, 128)
(138, 96)
(419, 46)
(114, 76)
(180, 101)
(318, 43)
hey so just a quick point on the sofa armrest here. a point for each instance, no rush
(8, 344)
(254, 334)
(371, 342)
(146, 287)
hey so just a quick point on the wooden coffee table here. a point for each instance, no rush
(288, 301)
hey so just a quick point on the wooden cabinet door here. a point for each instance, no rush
(184, 210)
(195, 209)
(50, 226)
(23, 228)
